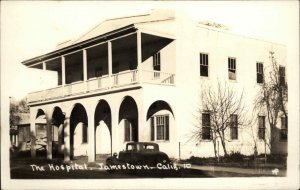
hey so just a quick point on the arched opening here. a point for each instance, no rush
(40, 133)
(103, 130)
(78, 131)
(57, 122)
(160, 118)
(128, 120)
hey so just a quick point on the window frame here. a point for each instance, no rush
(234, 127)
(204, 63)
(231, 66)
(283, 128)
(259, 72)
(157, 61)
(282, 75)
(206, 126)
(263, 128)
(165, 126)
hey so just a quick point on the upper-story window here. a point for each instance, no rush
(156, 61)
(232, 68)
(259, 72)
(204, 64)
(281, 75)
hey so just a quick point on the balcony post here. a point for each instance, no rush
(139, 56)
(44, 73)
(63, 74)
(85, 70)
(110, 63)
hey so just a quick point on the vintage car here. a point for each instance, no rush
(140, 153)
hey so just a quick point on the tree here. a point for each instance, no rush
(17, 107)
(272, 97)
(226, 111)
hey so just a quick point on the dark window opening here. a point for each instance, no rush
(232, 68)
(233, 126)
(284, 129)
(156, 61)
(203, 64)
(281, 75)
(259, 72)
(261, 127)
(206, 130)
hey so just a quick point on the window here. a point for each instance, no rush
(203, 64)
(160, 127)
(261, 127)
(233, 126)
(84, 133)
(259, 72)
(281, 75)
(206, 130)
(156, 64)
(156, 61)
(284, 128)
(231, 68)
(127, 130)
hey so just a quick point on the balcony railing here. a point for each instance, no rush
(102, 83)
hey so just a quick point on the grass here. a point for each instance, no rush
(237, 159)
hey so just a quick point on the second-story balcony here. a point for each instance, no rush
(131, 59)
(101, 84)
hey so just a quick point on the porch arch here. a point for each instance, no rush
(40, 133)
(128, 120)
(103, 131)
(161, 120)
(78, 131)
(57, 123)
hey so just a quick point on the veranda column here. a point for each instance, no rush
(109, 46)
(114, 130)
(60, 137)
(32, 133)
(85, 70)
(49, 139)
(141, 121)
(63, 73)
(67, 139)
(91, 136)
(139, 56)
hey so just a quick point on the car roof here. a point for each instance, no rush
(143, 143)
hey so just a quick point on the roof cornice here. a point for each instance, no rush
(101, 38)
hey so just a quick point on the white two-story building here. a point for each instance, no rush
(139, 79)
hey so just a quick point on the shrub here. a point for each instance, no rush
(234, 157)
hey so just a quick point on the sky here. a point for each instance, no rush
(33, 28)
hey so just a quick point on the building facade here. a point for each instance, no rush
(138, 79)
